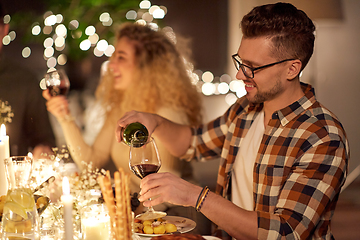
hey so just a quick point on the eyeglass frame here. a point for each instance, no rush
(239, 65)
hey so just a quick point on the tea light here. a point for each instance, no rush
(4, 153)
(67, 201)
(95, 222)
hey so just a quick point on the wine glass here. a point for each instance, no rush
(57, 82)
(144, 160)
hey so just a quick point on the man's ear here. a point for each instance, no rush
(294, 69)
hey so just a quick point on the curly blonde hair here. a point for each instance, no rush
(162, 79)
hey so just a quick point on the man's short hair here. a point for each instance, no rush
(290, 30)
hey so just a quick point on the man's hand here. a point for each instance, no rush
(150, 121)
(166, 187)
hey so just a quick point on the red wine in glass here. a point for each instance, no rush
(57, 82)
(58, 90)
(145, 160)
(142, 170)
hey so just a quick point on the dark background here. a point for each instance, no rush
(202, 22)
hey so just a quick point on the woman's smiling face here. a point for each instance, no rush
(122, 63)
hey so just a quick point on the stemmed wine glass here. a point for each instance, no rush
(57, 82)
(144, 160)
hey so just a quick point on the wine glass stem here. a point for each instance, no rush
(150, 209)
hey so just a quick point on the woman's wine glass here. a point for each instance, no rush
(57, 82)
(144, 160)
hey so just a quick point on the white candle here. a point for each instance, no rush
(4, 153)
(95, 223)
(4, 138)
(67, 201)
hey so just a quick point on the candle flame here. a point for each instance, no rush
(66, 186)
(3, 130)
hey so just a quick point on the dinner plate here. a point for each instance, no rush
(184, 225)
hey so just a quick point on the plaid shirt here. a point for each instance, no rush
(299, 169)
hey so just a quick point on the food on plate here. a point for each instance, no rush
(181, 236)
(159, 229)
(147, 222)
(169, 227)
(148, 229)
(157, 226)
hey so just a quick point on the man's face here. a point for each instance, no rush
(4, 29)
(268, 83)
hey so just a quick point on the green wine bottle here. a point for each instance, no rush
(135, 134)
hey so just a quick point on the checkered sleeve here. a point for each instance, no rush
(207, 140)
(310, 189)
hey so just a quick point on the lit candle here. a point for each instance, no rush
(67, 201)
(95, 222)
(4, 153)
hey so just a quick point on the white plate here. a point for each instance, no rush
(184, 225)
(211, 238)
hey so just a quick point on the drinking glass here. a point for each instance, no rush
(57, 82)
(144, 160)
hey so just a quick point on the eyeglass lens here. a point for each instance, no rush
(246, 70)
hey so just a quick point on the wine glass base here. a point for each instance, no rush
(150, 215)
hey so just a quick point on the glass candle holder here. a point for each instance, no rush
(95, 222)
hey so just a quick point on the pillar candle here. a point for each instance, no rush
(67, 201)
(4, 153)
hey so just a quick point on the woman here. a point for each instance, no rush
(145, 73)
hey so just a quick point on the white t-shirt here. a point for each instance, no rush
(242, 173)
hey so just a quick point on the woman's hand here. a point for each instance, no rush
(150, 121)
(57, 106)
(166, 187)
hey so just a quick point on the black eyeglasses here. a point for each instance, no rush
(249, 71)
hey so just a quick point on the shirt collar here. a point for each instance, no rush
(288, 113)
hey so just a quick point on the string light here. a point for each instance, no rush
(145, 4)
(102, 45)
(131, 15)
(74, 24)
(85, 45)
(50, 20)
(207, 77)
(26, 52)
(109, 51)
(159, 13)
(36, 30)
(7, 19)
(12, 35)
(90, 30)
(93, 39)
(53, 24)
(6, 40)
(104, 17)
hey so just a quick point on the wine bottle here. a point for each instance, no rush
(135, 134)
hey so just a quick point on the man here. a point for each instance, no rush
(30, 129)
(284, 153)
